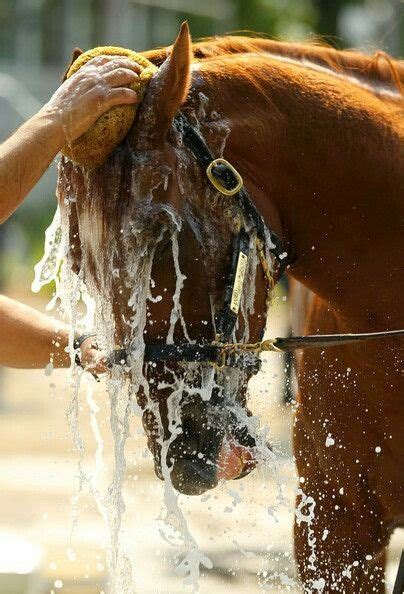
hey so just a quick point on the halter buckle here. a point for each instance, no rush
(216, 183)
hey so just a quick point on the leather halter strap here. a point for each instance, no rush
(192, 353)
(228, 177)
(244, 355)
(220, 352)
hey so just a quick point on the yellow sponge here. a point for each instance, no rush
(93, 147)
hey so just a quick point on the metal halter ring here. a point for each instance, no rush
(214, 181)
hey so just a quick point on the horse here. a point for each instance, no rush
(316, 135)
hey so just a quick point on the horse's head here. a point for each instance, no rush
(153, 241)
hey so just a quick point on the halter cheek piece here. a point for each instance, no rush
(221, 352)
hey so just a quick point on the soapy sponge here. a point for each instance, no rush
(93, 147)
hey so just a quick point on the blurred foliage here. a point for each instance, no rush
(277, 18)
(327, 12)
(282, 19)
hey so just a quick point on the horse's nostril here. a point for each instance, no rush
(192, 453)
(186, 448)
(190, 428)
(193, 477)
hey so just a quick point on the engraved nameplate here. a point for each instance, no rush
(238, 282)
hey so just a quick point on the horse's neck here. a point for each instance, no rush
(321, 161)
(377, 69)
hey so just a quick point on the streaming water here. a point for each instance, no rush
(47, 269)
(102, 253)
(173, 518)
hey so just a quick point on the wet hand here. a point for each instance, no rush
(92, 90)
(92, 360)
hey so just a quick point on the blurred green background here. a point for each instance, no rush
(37, 37)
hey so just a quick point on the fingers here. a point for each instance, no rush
(122, 96)
(120, 77)
(115, 73)
(107, 64)
(99, 368)
(115, 63)
(96, 87)
(94, 361)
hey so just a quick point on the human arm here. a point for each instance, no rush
(73, 108)
(30, 340)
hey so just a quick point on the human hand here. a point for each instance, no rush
(91, 359)
(91, 91)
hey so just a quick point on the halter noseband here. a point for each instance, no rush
(221, 352)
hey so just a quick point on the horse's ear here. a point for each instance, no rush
(171, 83)
(75, 54)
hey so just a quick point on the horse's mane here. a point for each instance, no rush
(379, 69)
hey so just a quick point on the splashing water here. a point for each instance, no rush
(173, 517)
(115, 299)
(304, 512)
(46, 271)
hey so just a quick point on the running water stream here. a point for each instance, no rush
(116, 261)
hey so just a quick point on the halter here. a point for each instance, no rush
(221, 352)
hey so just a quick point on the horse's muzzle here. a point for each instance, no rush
(211, 446)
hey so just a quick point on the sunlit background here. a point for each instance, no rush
(38, 494)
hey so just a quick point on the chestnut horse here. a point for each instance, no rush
(317, 136)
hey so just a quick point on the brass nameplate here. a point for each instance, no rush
(238, 282)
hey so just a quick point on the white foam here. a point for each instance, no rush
(114, 282)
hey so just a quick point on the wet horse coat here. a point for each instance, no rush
(317, 136)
